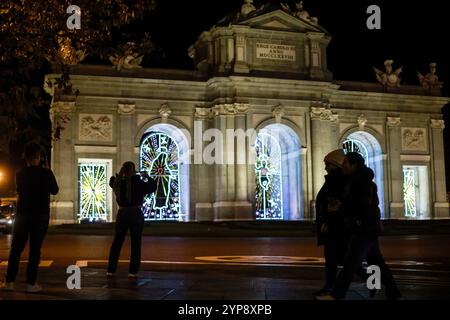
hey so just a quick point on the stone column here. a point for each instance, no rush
(321, 119)
(204, 173)
(64, 166)
(396, 205)
(242, 204)
(126, 127)
(223, 207)
(441, 208)
(231, 176)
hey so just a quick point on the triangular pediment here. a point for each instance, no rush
(281, 20)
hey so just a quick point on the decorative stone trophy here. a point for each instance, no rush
(127, 59)
(430, 83)
(247, 7)
(389, 79)
(303, 14)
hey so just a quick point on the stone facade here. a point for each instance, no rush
(266, 71)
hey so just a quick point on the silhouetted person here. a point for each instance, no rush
(34, 183)
(130, 190)
(361, 206)
(331, 227)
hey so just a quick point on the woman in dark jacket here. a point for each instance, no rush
(330, 222)
(130, 190)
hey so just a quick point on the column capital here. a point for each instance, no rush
(126, 108)
(202, 113)
(64, 106)
(229, 109)
(393, 121)
(437, 124)
(323, 114)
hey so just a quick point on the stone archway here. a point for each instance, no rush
(278, 173)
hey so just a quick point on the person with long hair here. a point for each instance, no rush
(130, 189)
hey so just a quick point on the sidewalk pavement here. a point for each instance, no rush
(197, 284)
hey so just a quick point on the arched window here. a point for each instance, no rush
(160, 157)
(269, 198)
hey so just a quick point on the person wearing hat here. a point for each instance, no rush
(360, 205)
(330, 221)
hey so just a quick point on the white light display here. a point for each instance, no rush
(93, 188)
(160, 158)
(409, 192)
(269, 198)
(353, 145)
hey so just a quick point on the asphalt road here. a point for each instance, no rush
(66, 249)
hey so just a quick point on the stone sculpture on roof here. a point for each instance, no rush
(389, 79)
(430, 83)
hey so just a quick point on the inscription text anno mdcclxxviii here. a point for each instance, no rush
(275, 51)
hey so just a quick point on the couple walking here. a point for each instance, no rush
(348, 225)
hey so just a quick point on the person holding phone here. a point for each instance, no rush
(130, 189)
(34, 183)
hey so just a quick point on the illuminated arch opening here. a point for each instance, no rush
(368, 146)
(163, 154)
(278, 174)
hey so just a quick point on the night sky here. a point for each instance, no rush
(413, 35)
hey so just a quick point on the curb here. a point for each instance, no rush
(249, 228)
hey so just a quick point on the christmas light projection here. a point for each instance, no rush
(409, 192)
(352, 145)
(93, 188)
(269, 199)
(160, 158)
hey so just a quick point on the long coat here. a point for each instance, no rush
(361, 204)
(331, 190)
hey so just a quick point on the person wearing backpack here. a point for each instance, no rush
(130, 190)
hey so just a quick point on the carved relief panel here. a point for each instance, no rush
(95, 127)
(414, 139)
